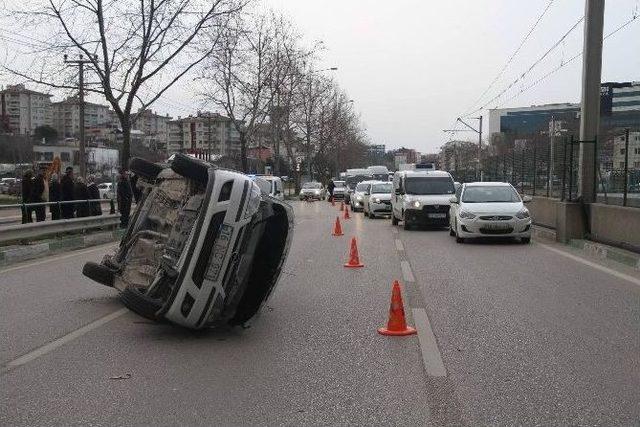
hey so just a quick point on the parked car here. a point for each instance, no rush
(489, 209)
(361, 192)
(107, 190)
(276, 188)
(312, 191)
(204, 247)
(379, 200)
(421, 197)
(5, 184)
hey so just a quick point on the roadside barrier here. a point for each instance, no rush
(337, 228)
(397, 323)
(36, 230)
(354, 258)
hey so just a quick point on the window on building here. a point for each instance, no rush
(48, 156)
(621, 165)
(636, 165)
(64, 156)
(622, 151)
(637, 151)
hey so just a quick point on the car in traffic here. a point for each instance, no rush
(421, 197)
(340, 190)
(360, 194)
(6, 184)
(489, 209)
(204, 248)
(312, 191)
(379, 200)
(107, 190)
(273, 186)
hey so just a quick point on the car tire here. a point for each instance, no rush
(451, 232)
(99, 273)
(458, 238)
(371, 216)
(190, 168)
(525, 240)
(136, 300)
(144, 169)
(394, 220)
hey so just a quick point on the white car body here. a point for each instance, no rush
(509, 219)
(378, 203)
(360, 194)
(276, 188)
(429, 207)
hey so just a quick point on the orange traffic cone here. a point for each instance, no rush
(397, 324)
(346, 212)
(342, 206)
(337, 228)
(354, 259)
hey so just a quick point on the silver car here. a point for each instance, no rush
(379, 200)
(359, 195)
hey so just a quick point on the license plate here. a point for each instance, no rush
(437, 215)
(219, 251)
(496, 226)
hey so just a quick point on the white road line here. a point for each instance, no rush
(47, 348)
(394, 230)
(602, 268)
(399, 245)
(407, 274)
(431, 357)
(57, 258)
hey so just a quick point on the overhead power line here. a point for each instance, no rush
(513, 55)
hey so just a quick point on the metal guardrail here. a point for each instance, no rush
(27, 231)
(59, 203)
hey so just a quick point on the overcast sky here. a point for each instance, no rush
(413, 66)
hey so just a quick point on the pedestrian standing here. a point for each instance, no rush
(83, 208)
(125, 195)
(67, 187)
(27, 184)
(94, 193)
(137, 194)
(37, 196)
(55, 195)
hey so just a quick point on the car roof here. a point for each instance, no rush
(424, 172)
(486, 184)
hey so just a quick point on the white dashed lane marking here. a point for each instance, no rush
(399, 245)
(431, 357)
(407, 274)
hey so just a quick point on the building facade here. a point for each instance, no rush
(155, 128)
(206, 131)
(22, 110)
(620, 154)
(99, 160)
(66, 118)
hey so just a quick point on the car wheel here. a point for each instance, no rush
(394, 220)
(99, 273)
(144, 169)
(371, 216)
(135, 299)
(458, 238)
(190, 168)
(525, 240)
(451, 232)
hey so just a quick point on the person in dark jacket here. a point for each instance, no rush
(55, 195)
(67, 187)
(331, 187)
(94, 193)
(83, 208)
(137, 193)
(125, 194)
(27, 185)
(37, 191)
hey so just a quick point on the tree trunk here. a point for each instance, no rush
(243, 151)
(126, 145)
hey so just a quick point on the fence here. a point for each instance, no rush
(542, 167)
(28, 209)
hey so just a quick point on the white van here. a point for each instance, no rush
(421, 197)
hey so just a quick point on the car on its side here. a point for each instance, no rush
(360, 194)
(312, 191)
(421, 197)
(204, 247)
(379, 200)
(489, 209)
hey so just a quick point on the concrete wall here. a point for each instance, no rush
(543, 211)
(615, 223)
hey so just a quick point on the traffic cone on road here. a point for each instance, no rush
(397, 323)
(337, 228)
(346, 212)
(354, 259)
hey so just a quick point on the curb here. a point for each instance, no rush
(15, 254)
(598, 250)
(545, 233)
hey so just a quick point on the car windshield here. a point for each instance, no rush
(312, 185)
(362, 187)
(490, 194)
(353, 181)
(381, 188)
(338, 183)
(429, 185)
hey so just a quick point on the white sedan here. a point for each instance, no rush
(489, 209)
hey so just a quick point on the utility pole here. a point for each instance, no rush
(552, 145)
(590, 109)
(479, 165)
(82, 149)
(209, 138)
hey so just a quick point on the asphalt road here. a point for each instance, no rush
(523, 335)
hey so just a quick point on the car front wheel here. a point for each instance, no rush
(394, 220)
(525, 240)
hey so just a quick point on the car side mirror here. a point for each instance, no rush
(526, 199)
(453, 199)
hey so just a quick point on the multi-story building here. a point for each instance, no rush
(619, 151)
(155, 128)
(203, 132)
(66, 118)
(22, 110)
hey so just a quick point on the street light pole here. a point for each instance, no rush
(82, 149)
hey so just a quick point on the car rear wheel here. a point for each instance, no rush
(190, 168)
(525, 240)
(144, 169)
(394, 220)
(99, 273)
(136, 300)
(451, 232)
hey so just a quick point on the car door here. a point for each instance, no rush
(454, 207)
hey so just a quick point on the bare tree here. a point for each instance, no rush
(136, 49)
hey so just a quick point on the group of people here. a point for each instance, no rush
(36, 188)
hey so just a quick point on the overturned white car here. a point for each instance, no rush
(204, 248)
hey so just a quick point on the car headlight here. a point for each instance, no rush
(376, 200)
(415, 204)
(317, 192)
(359, 198)
(523, 214)
(466, 215)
